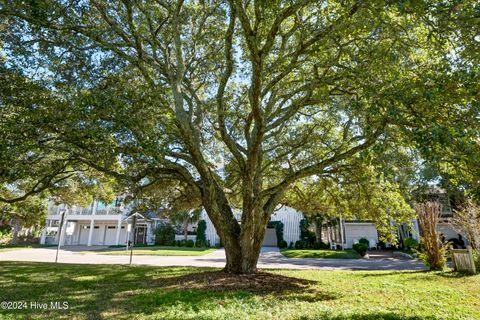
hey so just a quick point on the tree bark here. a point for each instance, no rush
(185, 229)
(318, 230)
(16, 229)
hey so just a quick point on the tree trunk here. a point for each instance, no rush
(318, 229)
(16, 229)
(185, 229)
(242, 259)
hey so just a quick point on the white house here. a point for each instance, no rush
(111, 224)
(99, 224)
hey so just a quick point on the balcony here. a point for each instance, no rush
(56, 210)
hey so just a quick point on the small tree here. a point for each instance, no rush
(165, 234)
(467, 221)
(434, 250)
(201, 234)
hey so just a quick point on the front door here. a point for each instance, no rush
(141, 235)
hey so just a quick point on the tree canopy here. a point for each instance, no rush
(235, 102)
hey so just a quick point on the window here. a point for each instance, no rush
(111, 227)
(85, 227)
(96, 227)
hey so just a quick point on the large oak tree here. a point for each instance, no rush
(235, 101)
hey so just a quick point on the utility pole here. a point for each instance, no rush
(134, 223)
(60, 231)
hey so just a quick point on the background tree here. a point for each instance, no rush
(237, 101)
(185, 218)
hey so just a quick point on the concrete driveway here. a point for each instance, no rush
(270, 257)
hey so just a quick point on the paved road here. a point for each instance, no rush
(270, 257)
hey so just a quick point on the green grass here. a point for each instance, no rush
(141, 292)
(19, 247)
(156, 251)
(312, 253)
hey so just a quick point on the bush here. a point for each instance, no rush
(282, 244)
(299, 244)
(320, 245)
(5, 229)
(307, 236)
(201, 240)
(200, 243)
(365, 242)
(183, 243)
(360, 248)
(290, 246)
(410, 243)
(476, 260)
(189, 243)
(434, 251)
(165, 235)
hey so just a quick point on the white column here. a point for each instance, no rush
(90, 233)
(92, 224)
(44, 232)
(148, 236)
(119, 227)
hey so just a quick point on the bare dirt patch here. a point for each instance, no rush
(260, 282)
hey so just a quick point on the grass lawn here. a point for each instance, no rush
(142, 292)
(18, 247)
(312, 253)
(157, 251)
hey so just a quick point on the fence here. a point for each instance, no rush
(462, 260)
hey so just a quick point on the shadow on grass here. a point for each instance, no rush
(369, 316)
(118, 290)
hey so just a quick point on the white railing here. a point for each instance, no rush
(55, 210)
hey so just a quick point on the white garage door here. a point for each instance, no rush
(84, 231)
(270, 239)
(83, 237)
(110, 235)
(354, 232)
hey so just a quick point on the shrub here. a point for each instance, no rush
(360, 248)
(307, 236)
(200, 243)
(434, 251)
(183, 243)
(365, 242)
(165, 235)
(290, 246)
(189, 243)
(282, 244)
(320, 245)
(5, 229)
(299, 244)
(476, 260)
(410, 243)
(201, 233)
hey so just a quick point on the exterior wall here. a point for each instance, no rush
(182, 237)
(291, 222)
(356, 230)
(447, 231)
(210, 232)
(288, 216)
